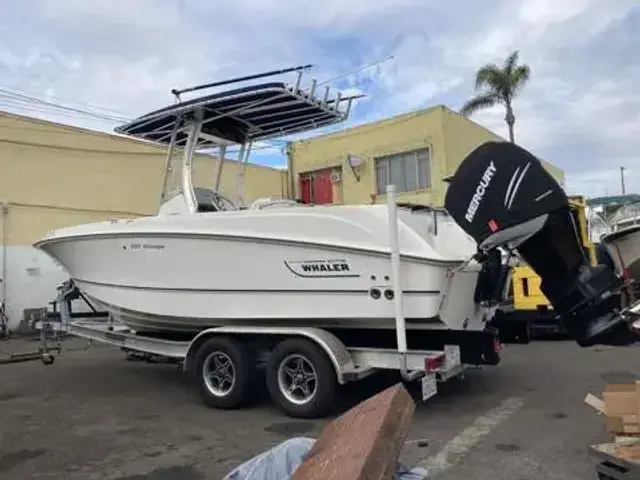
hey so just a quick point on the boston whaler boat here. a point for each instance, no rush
(197, 265)
(315, 291)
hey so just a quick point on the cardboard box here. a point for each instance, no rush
(620, 405)
(620, 400)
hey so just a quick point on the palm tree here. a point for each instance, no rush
(498, 85)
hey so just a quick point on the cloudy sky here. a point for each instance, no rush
(119, 58)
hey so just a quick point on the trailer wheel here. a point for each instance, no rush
(301, 379)
(48, 359)
(225, 372)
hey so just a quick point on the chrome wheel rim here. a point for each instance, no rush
(297, 379)
(219, 373)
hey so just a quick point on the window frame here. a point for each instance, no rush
(387, 160)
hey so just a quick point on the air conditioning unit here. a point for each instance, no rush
(336, 176)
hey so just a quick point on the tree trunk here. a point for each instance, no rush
(511, 120)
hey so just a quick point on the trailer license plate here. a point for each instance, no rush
(452, 354)
(429, 386)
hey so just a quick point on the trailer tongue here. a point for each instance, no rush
(503, 197)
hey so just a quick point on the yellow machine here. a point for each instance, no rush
(527, 304)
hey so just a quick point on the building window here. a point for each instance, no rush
(407, 171)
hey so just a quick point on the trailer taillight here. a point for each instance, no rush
(435, 362)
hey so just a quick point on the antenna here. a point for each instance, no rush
(177, 92)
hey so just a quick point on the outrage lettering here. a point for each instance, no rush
(480, 191)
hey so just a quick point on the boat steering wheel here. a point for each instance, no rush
(222, 203)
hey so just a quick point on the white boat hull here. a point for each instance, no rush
(147, 298)
(175, 274)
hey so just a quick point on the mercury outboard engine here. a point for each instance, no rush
(503, 197)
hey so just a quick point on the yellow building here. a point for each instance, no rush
(414, 151)
(53, 175)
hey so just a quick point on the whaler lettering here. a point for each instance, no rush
(325, 267)
(480, 191)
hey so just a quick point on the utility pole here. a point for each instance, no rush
(622, 180)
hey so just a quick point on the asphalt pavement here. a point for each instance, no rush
(94, 415)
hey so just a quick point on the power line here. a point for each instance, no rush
(49, 97)
(45, 113)
(9, 95)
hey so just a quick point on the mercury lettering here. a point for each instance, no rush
(480, 191)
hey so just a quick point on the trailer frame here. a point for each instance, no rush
(349, 364)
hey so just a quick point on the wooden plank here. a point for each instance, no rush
(626, 439)
(594, 402)
(364, 443)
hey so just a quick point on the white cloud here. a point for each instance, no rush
(138, 14)
(580, 110)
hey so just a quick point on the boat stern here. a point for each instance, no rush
(623, 247)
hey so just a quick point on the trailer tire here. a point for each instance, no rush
(226, 373)
(48, 359)
(301, 365)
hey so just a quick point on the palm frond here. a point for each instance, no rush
(488, 76)
(511, 62)
(480, 102)
(520, 76)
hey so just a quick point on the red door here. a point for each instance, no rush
(305, 190)
(322, 187)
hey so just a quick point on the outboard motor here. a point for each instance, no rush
(503, 197)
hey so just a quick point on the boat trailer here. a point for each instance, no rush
(54, 326)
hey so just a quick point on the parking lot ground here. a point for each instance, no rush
(93, 415)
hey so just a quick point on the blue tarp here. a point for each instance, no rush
(280, 462)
